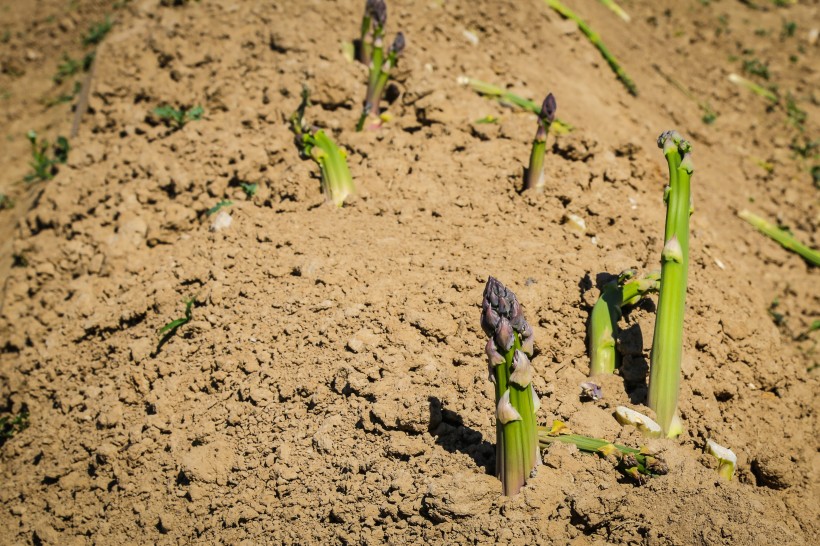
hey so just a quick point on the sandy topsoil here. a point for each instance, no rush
(331, 386)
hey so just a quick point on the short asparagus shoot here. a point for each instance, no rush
(667, 344)
(381, 63)
(782, 236)
(337, 183)
(508, 351)
(603, 321)
(535, 178)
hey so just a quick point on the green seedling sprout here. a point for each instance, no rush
(636, 464)
(45, 166)
(97, 32)
(508, 351)
(511, 99)
(168, 331)
(616, 9)
(219, 206)
(534, 178)
(758, 90)
(337, 183)
(595, 39)
(178, 117)
(603, 321)
(6, 202)
(11, 425)
(249, 188)
(380, 67)
(782, 236)
(667, 344)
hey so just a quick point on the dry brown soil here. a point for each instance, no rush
(331, 387)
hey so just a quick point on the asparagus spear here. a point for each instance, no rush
(372, 105)
(535, 172)
(508, 351)
(593, 37)
(637, 464)
(664, 372)
(782, 236)
(337, 183)
(511, 99)
(626, 290)
(375, 11)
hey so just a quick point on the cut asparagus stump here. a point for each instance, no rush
(782, 236)
(637, 464)
(535, 179)
(667, 344)
(337, 183)
(508, 351)
(603, 321)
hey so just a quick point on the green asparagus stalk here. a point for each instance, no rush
(337, 183)
(511, 99)
(380, 63)
(637, 464)
(667, 344)
(535, 173)
(374, 11)
(758, 90)
(782, 236)
(626, 290)
(508, 351)
(372, 105)
(593, 37)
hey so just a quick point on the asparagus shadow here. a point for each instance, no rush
(454, 436)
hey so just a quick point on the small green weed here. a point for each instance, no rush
(167, 331)
(788, 30)
(756, 68)
(13, 424)
(6, 202)
(97, 32)
(45, 167)
(249, 189)
(216, 208)
(179, 117)
(70, 67)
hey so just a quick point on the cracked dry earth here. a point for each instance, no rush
(331, 386)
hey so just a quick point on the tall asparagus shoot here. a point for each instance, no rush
(535, 173)
(337, 183)
(380, 64)
(603, 321)
(508, 351)
(667, 344)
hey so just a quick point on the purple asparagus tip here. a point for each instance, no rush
(501, 315)
(548, 109)
(398, 45)
(377, 10)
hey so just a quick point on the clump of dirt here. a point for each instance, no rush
(331, 385)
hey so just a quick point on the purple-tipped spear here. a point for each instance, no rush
(508, 351)
(373, 20)
(379, 74)
(535, 173)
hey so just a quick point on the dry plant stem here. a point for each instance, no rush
(786, 239)
(758, 90)
(505, 97)
(664, 372)
(510, 342)
(605, 315)
(596, 41)
(535, 172)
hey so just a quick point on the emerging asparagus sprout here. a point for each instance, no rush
(603, 321)
(782, 236)
(337, 183)
(380, 64)
(508, 351)
(511, 99)
(667, 344)
(636, 464)
(727, 460)
(593, 37)
(535, 173)
(373, 20)
(644, 424)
